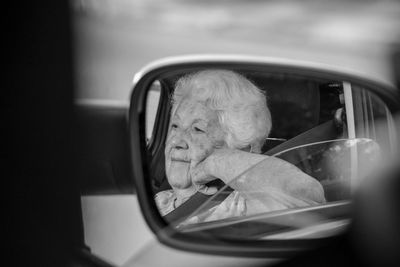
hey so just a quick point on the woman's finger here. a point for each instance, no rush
(207, 190)
(199, 174)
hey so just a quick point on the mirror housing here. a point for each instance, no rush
(203, 241)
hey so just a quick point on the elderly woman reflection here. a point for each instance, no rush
(219, 122)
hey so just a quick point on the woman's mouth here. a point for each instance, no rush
(180, 160)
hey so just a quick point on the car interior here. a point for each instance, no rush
(303, 111)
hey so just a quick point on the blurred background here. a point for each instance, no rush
(115, 38)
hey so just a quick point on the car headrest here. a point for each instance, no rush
(294, 105)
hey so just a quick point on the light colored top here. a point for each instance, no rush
(236, 204)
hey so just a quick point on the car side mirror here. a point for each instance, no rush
(254, 157)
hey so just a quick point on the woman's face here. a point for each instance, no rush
(194, 133)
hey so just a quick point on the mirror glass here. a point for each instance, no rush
(249, 154)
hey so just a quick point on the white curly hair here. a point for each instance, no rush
(241, 107)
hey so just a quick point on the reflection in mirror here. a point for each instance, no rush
(335, 164)
(153, 99)
(249, 154)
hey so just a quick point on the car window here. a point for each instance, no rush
(337, 164)
(374, 118)
(330, 162)
(153, 100)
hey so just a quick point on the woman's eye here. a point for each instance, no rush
(174, 126)
(198, 130)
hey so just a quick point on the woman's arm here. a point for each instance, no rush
(258, 173)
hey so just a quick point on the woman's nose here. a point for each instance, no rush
(178, 142)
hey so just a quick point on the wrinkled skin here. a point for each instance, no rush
(193, 135)
(196, 153)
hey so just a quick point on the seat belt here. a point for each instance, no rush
(194, 202)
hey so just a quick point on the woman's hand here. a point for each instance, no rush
(233, 206)
(224, 164)
(205, 171)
